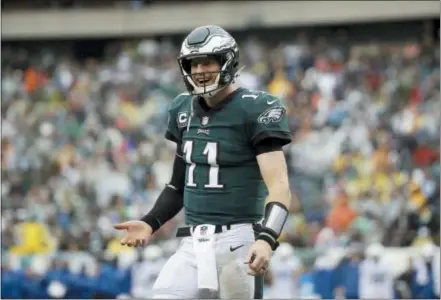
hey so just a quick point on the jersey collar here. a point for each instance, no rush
(202, 108)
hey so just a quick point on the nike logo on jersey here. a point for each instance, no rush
(232, 249)
(271, 102)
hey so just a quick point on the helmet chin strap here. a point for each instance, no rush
(211, 94)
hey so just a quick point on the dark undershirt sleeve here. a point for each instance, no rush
(178, 175)
(171, 199)
(270, 144)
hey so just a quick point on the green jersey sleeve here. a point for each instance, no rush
(267, 119)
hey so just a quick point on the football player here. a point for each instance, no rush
(229, 175)
(285, 269)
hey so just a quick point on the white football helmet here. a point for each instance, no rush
(215, 42)
(284, 251)
(56, 289)
(429, 250)
(374, 250)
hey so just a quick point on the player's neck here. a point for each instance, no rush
(219, 97)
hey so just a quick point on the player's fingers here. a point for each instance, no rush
(264, 269)
(258, 263)
(257, 272)
(143, 242)
(250, 257)
(252, 273)
(121, 226)
(124, 240)
(130, 241)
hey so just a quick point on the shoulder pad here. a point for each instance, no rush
(180, 99)
(262, 107)
(260, 98)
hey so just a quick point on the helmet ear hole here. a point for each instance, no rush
(219, 60)
(186, 65)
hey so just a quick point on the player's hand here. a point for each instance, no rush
(258, 258)
(137, 233)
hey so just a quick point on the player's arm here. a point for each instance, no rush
(274, 173)
(269, 132)
(171, 200)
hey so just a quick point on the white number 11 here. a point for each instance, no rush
(211, 151)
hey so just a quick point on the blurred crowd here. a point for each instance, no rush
(365, 157)
(83, 147)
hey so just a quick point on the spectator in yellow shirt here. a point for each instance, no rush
(34, 238)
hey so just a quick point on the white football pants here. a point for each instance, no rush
(179, 277)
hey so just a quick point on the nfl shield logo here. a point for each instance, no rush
(204, 121)
(203, 230)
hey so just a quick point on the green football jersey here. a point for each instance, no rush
(223, 181)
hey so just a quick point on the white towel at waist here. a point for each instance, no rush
(204, 240)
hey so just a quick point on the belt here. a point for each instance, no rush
(186, 231)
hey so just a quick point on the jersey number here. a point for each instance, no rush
(211, 152)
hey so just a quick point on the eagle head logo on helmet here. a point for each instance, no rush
(209, 41)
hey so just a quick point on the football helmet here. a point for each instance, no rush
(209, 41)
(285, 251)
(152, 252)
(374, 250)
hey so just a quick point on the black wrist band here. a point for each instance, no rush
(271, 240)
(275, 217)
(152, 221)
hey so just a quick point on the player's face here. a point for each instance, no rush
(204, 70)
